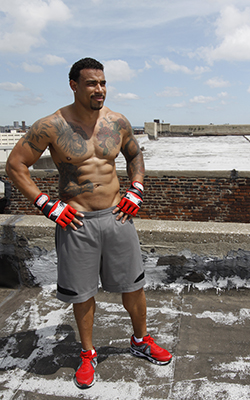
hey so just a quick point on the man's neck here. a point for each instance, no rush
(85, 116)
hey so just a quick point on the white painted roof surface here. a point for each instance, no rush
(203, 153)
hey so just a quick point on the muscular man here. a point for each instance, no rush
(95, 235)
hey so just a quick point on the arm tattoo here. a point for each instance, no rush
(69, 186)
(35, 134)
(136, 166)
(131, 149)
(134, 158)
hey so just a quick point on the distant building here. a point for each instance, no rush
(138, 130)
(157, 129)
(15, 127)
(9, 136)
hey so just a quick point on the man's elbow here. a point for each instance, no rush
(8, 168)
(11, 168)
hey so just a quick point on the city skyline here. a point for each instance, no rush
(183, 62)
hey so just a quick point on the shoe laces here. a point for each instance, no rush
(87, 357)
(150, 340)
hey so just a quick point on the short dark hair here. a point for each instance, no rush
(84, 63)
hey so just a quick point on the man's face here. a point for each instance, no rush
(91, 88)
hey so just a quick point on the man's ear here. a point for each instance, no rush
(73, 85)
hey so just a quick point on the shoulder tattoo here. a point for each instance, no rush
(36, 133)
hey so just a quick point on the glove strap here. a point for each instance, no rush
(41, 201)
(137, 188)
(138, 185)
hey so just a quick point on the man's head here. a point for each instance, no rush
(84, 63)
(87, 80)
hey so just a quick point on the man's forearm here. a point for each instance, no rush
(136, 169)
(23, 182)
(133, 198)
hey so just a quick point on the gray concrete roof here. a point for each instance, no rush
(206, 333)
(205, 330)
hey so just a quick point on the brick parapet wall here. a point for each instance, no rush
(169, 195)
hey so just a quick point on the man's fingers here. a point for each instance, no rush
(76, 220)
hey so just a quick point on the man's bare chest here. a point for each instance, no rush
(77, 143)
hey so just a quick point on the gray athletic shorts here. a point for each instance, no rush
(103, 247)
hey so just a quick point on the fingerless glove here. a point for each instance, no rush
(57, 211)
(132, 201)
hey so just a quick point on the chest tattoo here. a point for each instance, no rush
(109, 135)
(71, 138)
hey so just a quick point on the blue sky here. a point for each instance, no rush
(180, 61)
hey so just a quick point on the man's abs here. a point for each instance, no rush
(89, 194)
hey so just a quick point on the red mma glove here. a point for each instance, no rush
(132, 201)
(57, 211)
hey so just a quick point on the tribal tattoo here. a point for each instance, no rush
(35, 134)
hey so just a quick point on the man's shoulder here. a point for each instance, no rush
(54, 117)
(49, 120)
(117, 117)
(112, 114)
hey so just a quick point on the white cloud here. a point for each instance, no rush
(143, 14)
(180, 105)
(23, 22)
(116, 97)
(12, 87)
(170, 92)
(146, 67)
(50, 59)
(201, 99)
(30, 100)
(201, 70)
(223, 95)
(127, 96)
(33, 68)
(171, 66)
(217, 82)
(233, 34)
(118, 70)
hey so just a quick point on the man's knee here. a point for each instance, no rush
(85, 307)
(134, 299)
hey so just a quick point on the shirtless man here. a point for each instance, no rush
(95, 235)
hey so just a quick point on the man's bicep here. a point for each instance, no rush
(130, 148)
(26, 153)
(27, 150)
(38, 136)
(34, 142)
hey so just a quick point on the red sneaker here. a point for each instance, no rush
(150, 350)
(85, 374)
